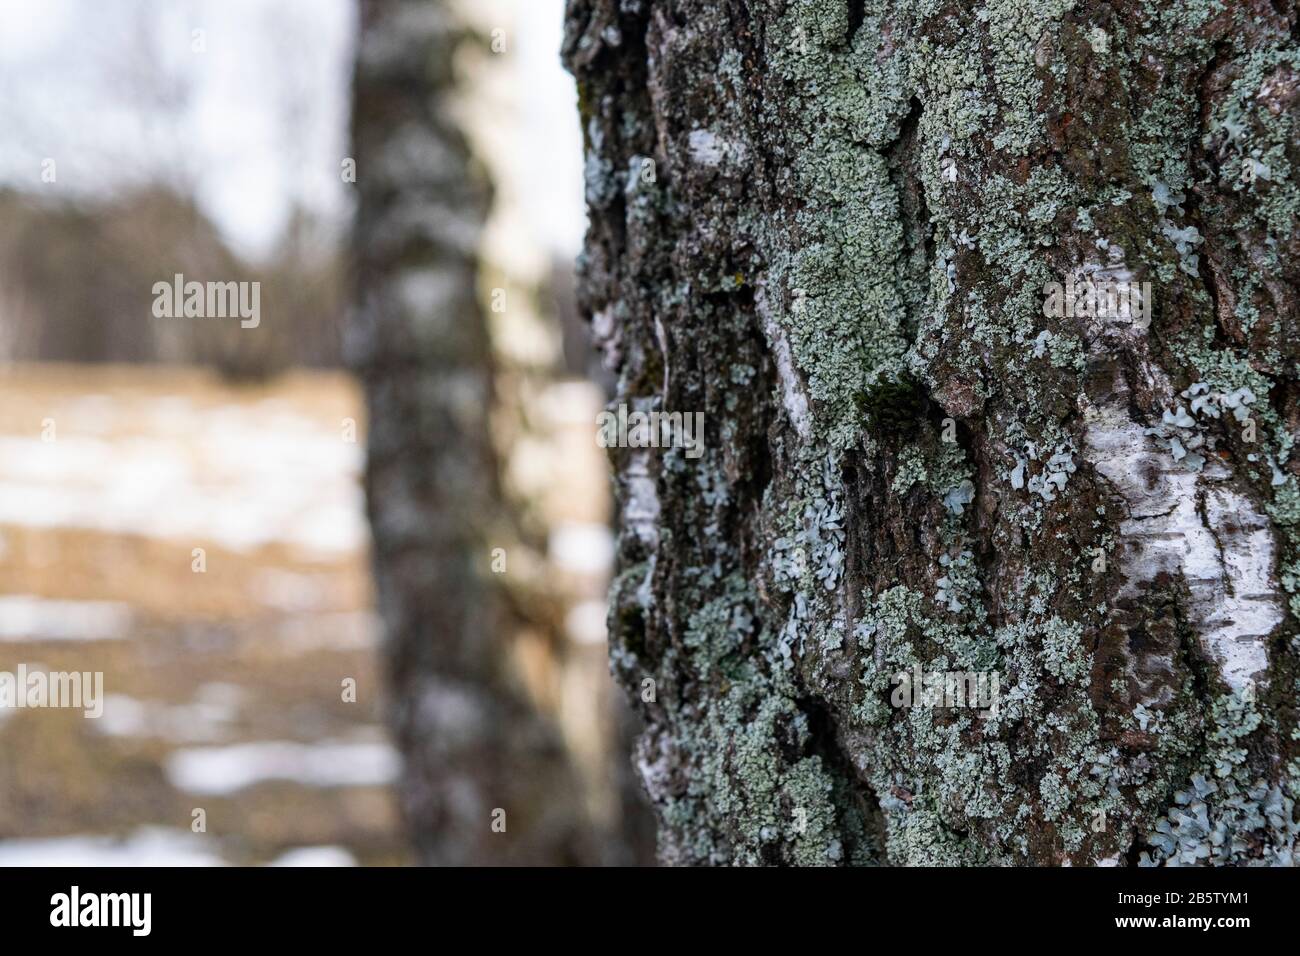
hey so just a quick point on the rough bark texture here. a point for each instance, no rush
(473, 742)
(829, 225)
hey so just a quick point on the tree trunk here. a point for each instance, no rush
(486, 778)
(857, 235)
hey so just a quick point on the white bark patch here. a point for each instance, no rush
(793, 396)
(706, 148)
(712, 151)
(641, 500)
(661, 336)
(607, 337)
(1197, 526)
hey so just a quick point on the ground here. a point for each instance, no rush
(97, 535)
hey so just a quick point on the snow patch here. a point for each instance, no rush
(221, 771)
(315, 856)
(147, 846)
(25, 617)
(243, 476)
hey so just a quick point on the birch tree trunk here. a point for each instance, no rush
(859, 236)
(486, 776)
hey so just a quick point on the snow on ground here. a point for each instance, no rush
(147, 846)
(151, 846)
(24, 617)
(206, 720)
(109, 477)
(241, 476)
(315, 856)
(224, 770)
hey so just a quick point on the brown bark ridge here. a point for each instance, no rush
(854, 234)
(486, 778)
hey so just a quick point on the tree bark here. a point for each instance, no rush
(833, 227)
(486, 778)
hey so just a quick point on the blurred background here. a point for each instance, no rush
(182, 501)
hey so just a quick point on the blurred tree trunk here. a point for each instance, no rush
(473, 742)
(832, 227)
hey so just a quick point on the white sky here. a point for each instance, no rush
(552, 185)
(114, 92)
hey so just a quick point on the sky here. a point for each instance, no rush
(550, 130)
(244, 103)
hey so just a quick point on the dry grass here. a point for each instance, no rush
(282, 625)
